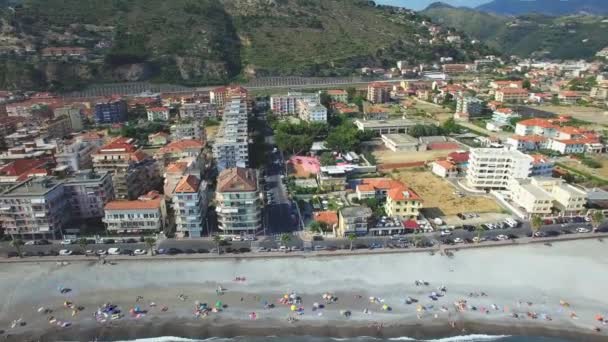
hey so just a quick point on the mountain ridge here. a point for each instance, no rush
(546, 7)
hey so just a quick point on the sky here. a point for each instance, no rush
(421, 4)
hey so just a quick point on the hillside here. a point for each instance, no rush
(545, 7)
(200, 42)
(530, 35)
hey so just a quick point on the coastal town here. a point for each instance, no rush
(419, 157)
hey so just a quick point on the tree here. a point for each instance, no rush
(325, 99)
(16, 244)
(526, 84)
(342, 138)
(217, 240)
(315, 227)
(150, 244)
(285, 238)
(327, 159)
(351, 93)
(450, 126)
(83, 243)
(535, 223)
(596, 219)
(351, 238)
(479, 231)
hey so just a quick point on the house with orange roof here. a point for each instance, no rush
(329, 217)
(133, 171)
(179, 149)
(239, 206)
(402, 201)
(375, 188)
(175, 171)
(528, 142)
(444, 168)
(158, 138)
(190, 206)
(338, 95)
(146, 214)
(511, 95)
(537, 126)
(568, 96)
(506, 84)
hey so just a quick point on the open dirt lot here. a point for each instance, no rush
(436, 112)
(438, 195)
(211, 132)
(601, 172)
(591, 114)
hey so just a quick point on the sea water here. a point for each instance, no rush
(467, 338)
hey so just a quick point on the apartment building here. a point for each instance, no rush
(338, 95)
(312, 111)
(190, 206)
(158, 114)
(239, 206)
(231, 146)
(175, 171)
(546, 196)
(467, 107)
(378, 92)
(179, 149)
(353, 220)
(289, 104)
(492, 168)
(56, 128)
(35, 209)
(542, 166)
(187, 130)
(527, 142)
(198, 111)
(543, 127)
(76, 154)
(111, 111)
(146, 214)
(401, 201)
(133, 171)
(74, 114)
(221, 96)
(511, 95)
(88, 192)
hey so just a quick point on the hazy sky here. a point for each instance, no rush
(421, 4)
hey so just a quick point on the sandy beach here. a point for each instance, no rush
(491, 286)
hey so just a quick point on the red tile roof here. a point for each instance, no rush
(336, 92)
(181, 145)
(410, 224)
(529, 138)
(177, 167)
(22, 166)
(188, 183)
(445, 164)
(123, 144)
(139, 155)
(329, 217)
(237, 180)
(151, 200)
(544, 123)
(397, 194)
(373, 184)
(443, 146)
(459, 157)
(511, 91)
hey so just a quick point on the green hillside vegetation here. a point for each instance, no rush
(530, 35)
(200, 42)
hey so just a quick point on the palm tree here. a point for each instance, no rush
(16, 244)
(596, 219)
(351, 237)
(217, 239)
(285, 238)
(150, 244)
(83, 243)
(535, 223)
(479, 232)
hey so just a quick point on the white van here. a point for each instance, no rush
(114, 251)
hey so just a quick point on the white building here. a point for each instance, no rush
(288, 104)
(231, 146)
(187, 130)
(198, 111)
(312, 111)
(143, 215)
(545, 196)
(76, 155)
(239, 206)
(190, 206)
(492, 168)
(467, 107)
(158, 114)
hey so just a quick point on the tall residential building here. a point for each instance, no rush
(544, 196)
(146, 214)
(312, 111)
(239, 207)
(231, 146)
(190, 206)
(35, 209)
(378, 92)
(111, 111)
(187, 130)
(74, 114)
(492, 168)
(158, 114)
(290, 104)
(467, 107)
(133, 171)
(179, 149)
(88, 193)
(76, 155)
(221, 96)
(175, 171)
(353, 220)
(198, 111)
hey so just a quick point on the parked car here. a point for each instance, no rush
(458, 240)
(582, 230)
(65, 252)
(101, 252)
(114, 251)
(66, 242)
(139, 252)
(445, 233)
(30, 243)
